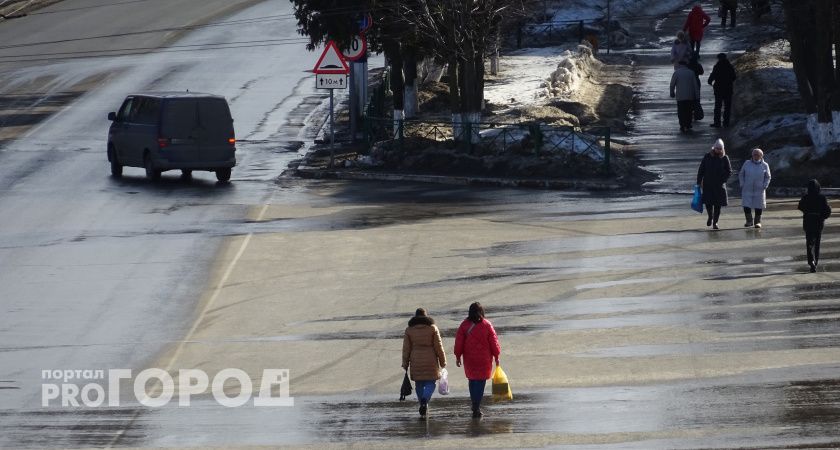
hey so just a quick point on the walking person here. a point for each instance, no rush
(684, 89)
(423, 353)
(722, 80)
(695, 24)
(714, 170)
(754, 177)
(680, 50)
(815, 210)
(730, 7)
(477, 343)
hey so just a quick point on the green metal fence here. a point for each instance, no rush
(491, 138)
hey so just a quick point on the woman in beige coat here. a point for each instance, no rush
(423, 353)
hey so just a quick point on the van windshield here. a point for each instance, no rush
(179, 118)
(214, 116)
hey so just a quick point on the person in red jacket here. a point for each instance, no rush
(695, 23)
(477, 343)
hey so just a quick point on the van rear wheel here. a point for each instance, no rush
(116, 167)
(186, 174)
(152, 172)
(223, 174)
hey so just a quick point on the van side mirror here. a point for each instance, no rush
(112, 116)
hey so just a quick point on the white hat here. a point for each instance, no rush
(719, 144)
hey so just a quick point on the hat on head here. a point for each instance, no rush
(719, 144)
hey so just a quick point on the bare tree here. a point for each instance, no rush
(461, 33)
(813, 29)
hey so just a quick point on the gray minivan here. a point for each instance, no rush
(172, 130)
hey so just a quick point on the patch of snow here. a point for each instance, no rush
(781, 158)
(755, 130)
(524, 73)
(824, 135)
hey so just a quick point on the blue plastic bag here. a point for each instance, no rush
(697, 200)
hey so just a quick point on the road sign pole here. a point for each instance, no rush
(332, 130)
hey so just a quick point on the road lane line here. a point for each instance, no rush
(216, 291)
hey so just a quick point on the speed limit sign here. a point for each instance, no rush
(357, 48)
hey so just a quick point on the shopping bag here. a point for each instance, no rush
(443, 383)
(697, 200)
(501, 387)
(698, 110)
(406, 388)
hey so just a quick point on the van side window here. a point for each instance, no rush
(147, 111)
(122, 116)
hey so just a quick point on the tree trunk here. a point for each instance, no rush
(410, 71)
(823, 60)
(797, 26)
(393, 53)
(454, 98)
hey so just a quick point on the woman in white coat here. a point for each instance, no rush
(754, 177)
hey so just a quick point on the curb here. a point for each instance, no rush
(457, 180)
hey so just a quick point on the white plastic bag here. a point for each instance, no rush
(443, 385)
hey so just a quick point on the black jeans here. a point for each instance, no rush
(748, 215)
(685, 112)
(812, 246)
(694, 45)
(723, 100)
(713, 211)
(731, 12)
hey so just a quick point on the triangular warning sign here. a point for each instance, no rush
(331, 61)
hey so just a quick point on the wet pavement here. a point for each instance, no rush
(624, 322)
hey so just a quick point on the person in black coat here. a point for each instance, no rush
(714, 170)
(722, 79)
(815, 210)
(728, 6)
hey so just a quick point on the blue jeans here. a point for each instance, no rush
(477, 391)
(425, 389)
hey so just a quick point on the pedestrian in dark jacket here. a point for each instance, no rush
(728, 6)
(423, 352)
(722, 79)
(695, 23)
(477, 343)
(714, 170)
(697, 68)
(815, 210)
(684, 89)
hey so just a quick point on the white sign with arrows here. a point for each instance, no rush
(330, 81)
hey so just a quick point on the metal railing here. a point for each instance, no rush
(486, 138)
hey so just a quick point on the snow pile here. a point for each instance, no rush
(524, 73)
(571, 72)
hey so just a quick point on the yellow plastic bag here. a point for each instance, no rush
(501, 387)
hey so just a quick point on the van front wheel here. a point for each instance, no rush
(223, 174)
(152, 173)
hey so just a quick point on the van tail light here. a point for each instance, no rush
(232, 141)
(163, 142)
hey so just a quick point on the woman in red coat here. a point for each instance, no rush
(695, 23)
(477, 343)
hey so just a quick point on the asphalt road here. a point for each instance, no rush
(97, 272)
